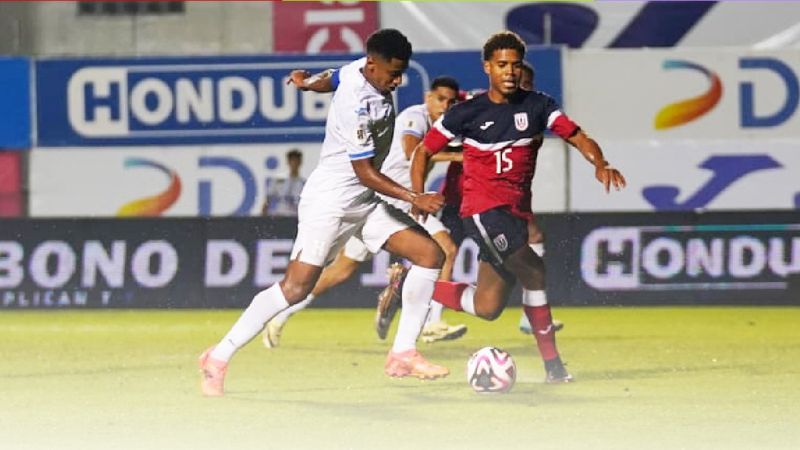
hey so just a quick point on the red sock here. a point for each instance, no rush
(542, 324)
(448, 293)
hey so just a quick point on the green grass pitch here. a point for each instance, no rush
(660, 378)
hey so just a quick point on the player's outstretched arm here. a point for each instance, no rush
(370, 177)
(602, 169)
(320, 82)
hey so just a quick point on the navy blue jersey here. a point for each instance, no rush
(501, 141)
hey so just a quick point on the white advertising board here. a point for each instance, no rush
(684, 94)
(203, 181)
(178, 181)
(688, 175)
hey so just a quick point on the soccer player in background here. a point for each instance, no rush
(410, 126)
(339, 201)
(535, 235)
(283, 194)
(502, 131)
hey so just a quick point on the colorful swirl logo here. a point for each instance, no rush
(685, 111)
(156, 204)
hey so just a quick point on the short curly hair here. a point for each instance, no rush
(503, 40)
(389, 43)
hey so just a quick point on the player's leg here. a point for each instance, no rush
(343, 267)
(426, 258)
(335, 273)
(389, 299)
(498, 234)
(296, 284)
(486, 299)
(436, 329)
(536, 242)
(396, 231)
(529, 270)
(318, 237)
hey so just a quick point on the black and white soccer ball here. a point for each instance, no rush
(491, 370)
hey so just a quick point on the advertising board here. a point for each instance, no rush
(202, 101)
(165, 263)
(688, 175)
(674, 258)
(724, 93)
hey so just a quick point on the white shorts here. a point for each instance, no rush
(322, 230)
(356, 250)
(431, 224)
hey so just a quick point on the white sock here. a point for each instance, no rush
(435, 314)
(284, 315)
(263, 307)
(468, 300)
(417, 291)
(533, 298)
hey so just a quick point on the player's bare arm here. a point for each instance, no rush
(448, 157)
(370, 177)
(419, 165)
(603, 171)
(305, 81)
(409, 143)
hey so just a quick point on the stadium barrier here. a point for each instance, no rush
(164, 263)
(684, 258)
(592, 259)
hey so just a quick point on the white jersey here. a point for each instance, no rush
(415, 121)
(360, 125)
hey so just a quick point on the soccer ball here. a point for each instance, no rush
(491, 370)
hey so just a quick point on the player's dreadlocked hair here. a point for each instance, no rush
(389, 43)
(503, 40)
(445, 81)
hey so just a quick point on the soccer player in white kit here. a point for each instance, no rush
(339, 201)
(410, 126)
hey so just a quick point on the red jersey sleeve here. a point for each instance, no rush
(435, 140)
(446, 128)
(560, 124)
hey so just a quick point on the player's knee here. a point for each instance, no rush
(432, 257)
(450, 250)
(295, 292)
(437, 257)
(489, 314)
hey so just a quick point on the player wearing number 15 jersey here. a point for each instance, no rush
(502, 132)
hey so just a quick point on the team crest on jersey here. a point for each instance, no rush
(500, 242)
(521, 121)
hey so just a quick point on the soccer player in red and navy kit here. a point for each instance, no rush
(502, 132)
